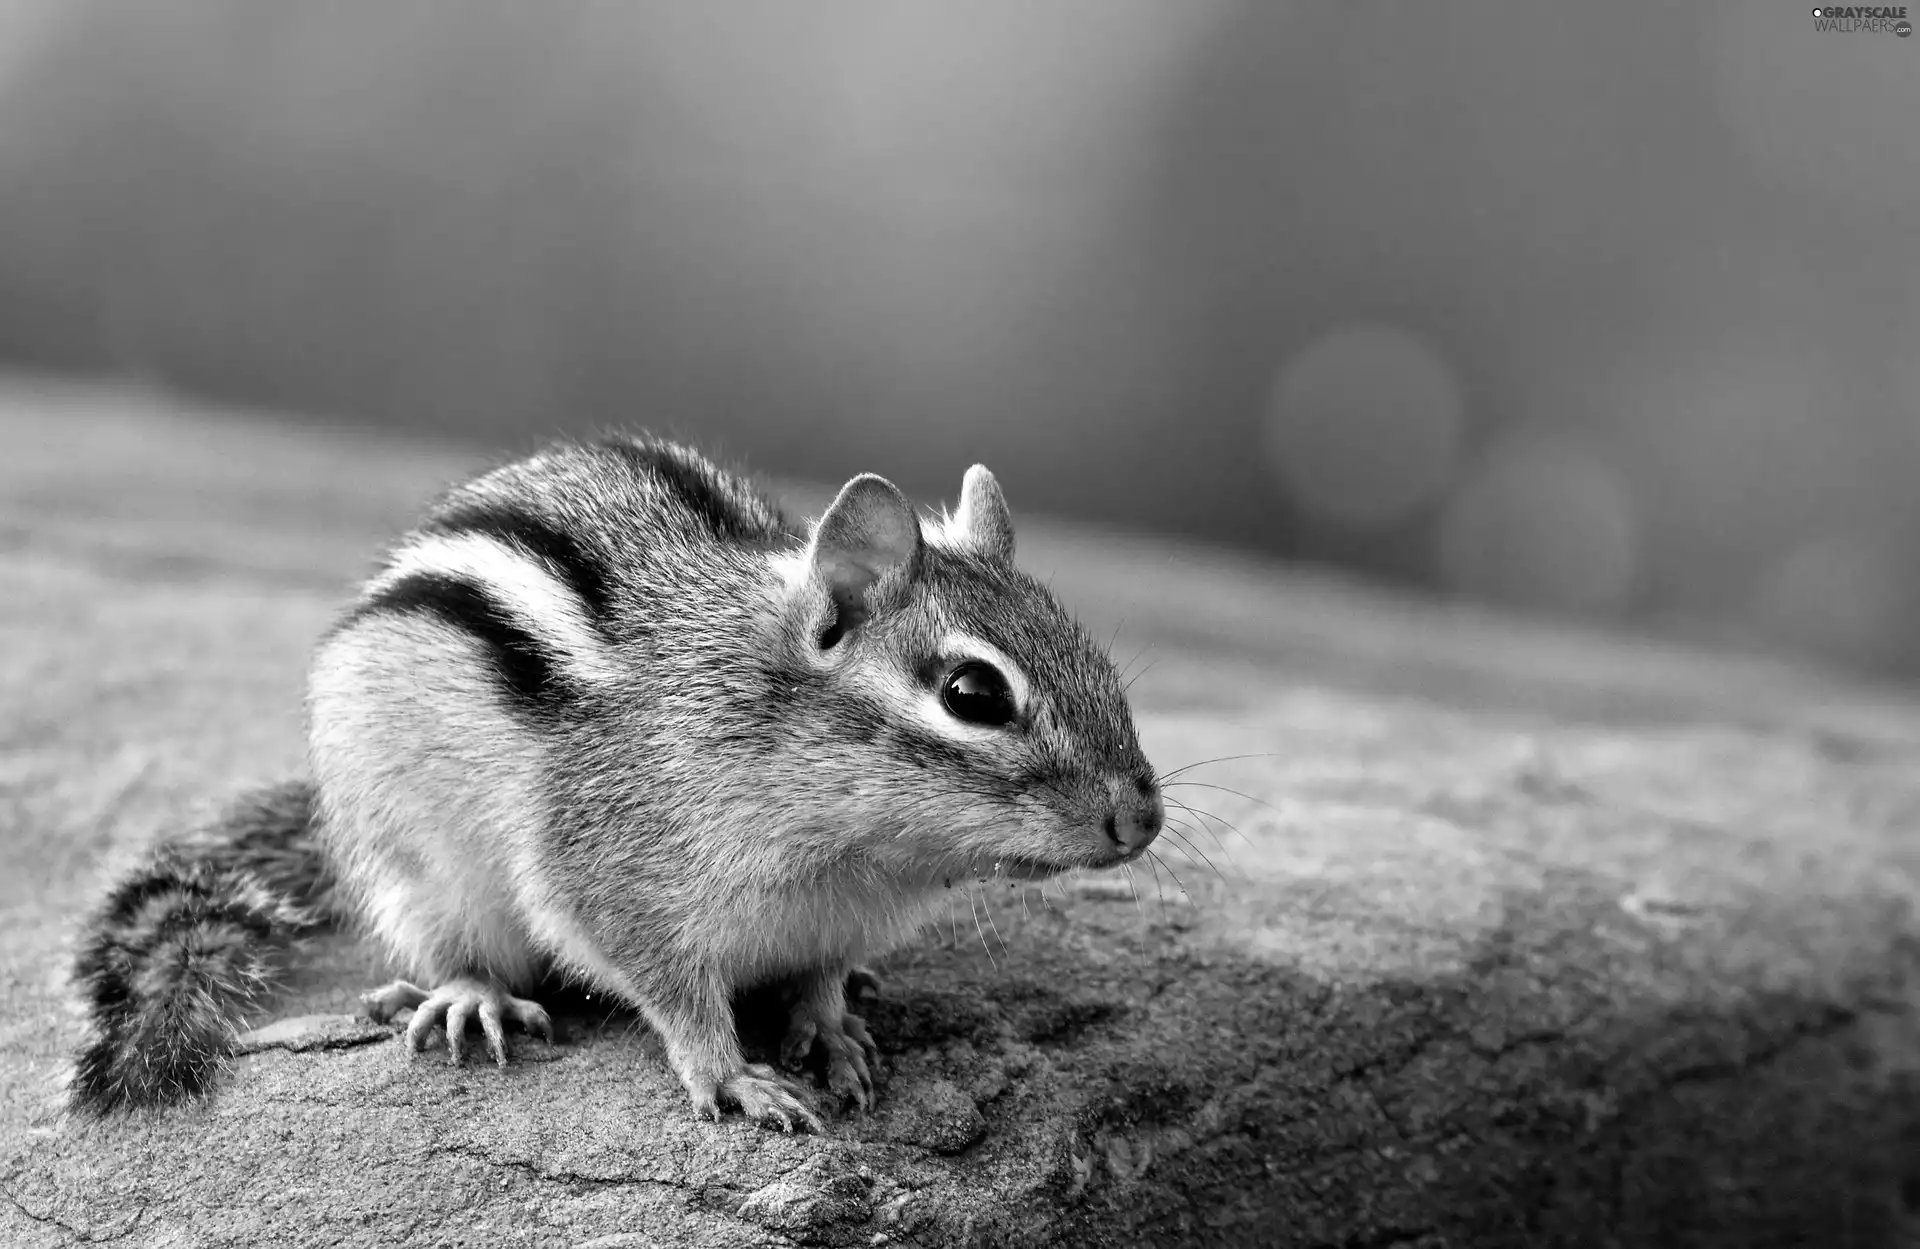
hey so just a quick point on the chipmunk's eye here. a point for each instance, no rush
(977, 693)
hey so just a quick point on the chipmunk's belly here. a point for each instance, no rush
(776, 936)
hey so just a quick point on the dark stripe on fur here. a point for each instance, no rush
(182, 945)
(582, 571)
(264, 833)
(524, 666)
(726, 505)
(927, 750)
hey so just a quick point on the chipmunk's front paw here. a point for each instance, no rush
(452, 1006)
(852, 1057)
(759, 1093)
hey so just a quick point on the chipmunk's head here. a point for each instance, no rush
(977, 729)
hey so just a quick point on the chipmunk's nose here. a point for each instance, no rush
(1135, 820)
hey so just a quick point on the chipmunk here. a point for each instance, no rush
(608, 713)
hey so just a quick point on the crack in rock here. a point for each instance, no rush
(303, 1033)
(574, 1178)
(92, 1236)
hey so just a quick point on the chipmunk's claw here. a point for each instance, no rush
(454, 1005)
(760, 1094)
(852, 1056)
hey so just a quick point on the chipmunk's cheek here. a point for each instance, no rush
(1041, 841)
(1052, 834)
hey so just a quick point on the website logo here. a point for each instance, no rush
(1878, 19)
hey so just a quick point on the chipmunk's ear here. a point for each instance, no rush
(869, 532)
(983, 520)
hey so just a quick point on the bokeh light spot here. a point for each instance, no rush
(1841, 595)
(1743, 450)
(1365, 425)
(1543, 520)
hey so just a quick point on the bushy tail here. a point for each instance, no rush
(186, 941)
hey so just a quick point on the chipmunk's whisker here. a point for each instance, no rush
(1207, 820)
(1177, 882)
(1144, 648)
(1128, 684)
(1004, 947)
(1194, 831)
(1164, 777)
(1159, 890)
(1225, 789)
(1226, 851)
(974, 907)
(1189, 845)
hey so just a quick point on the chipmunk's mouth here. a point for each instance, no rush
(1015, 867)
(1010, 867)
(1028, 869)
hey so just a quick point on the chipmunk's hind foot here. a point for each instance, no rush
(452, 1006)
(852, 1056)
(758, 1092)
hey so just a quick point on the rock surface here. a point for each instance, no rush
(1504, 934)
(311, 1032)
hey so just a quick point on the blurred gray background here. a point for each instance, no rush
(1605, 309)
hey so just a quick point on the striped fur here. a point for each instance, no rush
(185, 943)
(607, 712)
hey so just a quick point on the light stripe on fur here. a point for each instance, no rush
(540, 601)
(926, 707)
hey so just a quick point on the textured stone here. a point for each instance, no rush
(311, 1032)
(935, 1115)
(810, 1197)
(1508, 934)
